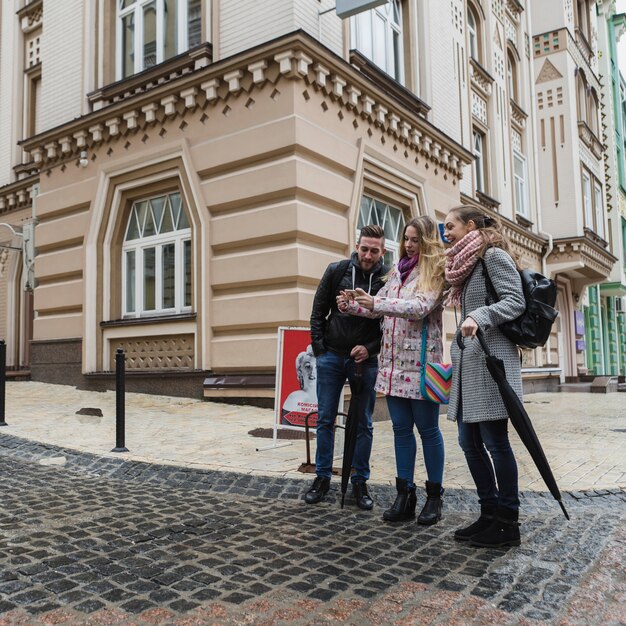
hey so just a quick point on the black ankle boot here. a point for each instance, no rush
(485, 520)
(503, 531)
(404, 506)
(431, 513)
(361, 495)
(318, 490)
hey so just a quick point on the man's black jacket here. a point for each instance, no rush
(340, 332)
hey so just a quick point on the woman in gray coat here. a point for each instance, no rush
(475, 402)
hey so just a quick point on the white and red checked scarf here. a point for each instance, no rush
(460, 261)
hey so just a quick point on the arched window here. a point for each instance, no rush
(389, 217)
(592, 112)
(156, 258)
(377, 34)
(511, 75)
(151, 31)
(473, 34)
(581, 97)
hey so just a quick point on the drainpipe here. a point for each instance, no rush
(544, 258)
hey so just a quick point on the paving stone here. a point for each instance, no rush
(180, 554)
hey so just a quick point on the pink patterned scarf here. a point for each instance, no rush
(462, 257)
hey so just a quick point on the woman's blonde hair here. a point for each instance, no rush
(489, 227)
(432, 261)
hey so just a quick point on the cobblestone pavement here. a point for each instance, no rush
(584, 435)
(108, 541)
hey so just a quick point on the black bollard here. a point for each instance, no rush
(3, 379)
(120, 406)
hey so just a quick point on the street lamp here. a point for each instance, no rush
(27, 233)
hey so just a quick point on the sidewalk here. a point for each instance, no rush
(583, 435)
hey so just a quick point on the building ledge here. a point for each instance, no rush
(581, 259)
(388, 84)
(296, 57)
(155, 319)
(195, 58)
(481, 79)
(617, 289)
(518, 115)
(588, 137)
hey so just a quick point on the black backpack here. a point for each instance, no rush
(532, 328)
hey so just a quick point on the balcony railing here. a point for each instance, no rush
(589, 138)
(197, 57)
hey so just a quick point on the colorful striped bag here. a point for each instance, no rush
(436, 377)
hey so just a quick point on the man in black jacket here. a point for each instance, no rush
(340, 341)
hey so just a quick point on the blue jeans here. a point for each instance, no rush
(497, 488)
(332, 371)
(405, 414)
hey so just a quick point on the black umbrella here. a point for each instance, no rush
(520, 419)
(355, 414)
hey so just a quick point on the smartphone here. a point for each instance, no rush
(442, 229)
(351, 292)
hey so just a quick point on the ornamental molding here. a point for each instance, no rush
(579, 253)
(31, 16)
(16, 196)
(514, 9)
(548, 72)
(295, 57)
(518, 115)
(480, 78)
(588, 137)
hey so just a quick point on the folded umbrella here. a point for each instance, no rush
(520, 419)
(355, 414)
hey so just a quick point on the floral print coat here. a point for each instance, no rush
(403, 310)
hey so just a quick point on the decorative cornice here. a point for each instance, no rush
(16, 196)
(481, 79)
(296, 56)
(518, 115)
(581, 251)
(31, 16)
(514, 9)
(589, 138)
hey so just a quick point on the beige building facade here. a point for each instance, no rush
(192, 166)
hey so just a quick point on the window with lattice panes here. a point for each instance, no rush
(377, 34)
(152, 31)
(389, 218)
(156, 258)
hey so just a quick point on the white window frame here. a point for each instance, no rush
(158, 242)
(363, 37)
(137, 8)
(587, 200)
(472, 34)
(520, 186)
(479, 154)
(368, 216)
(598, 205)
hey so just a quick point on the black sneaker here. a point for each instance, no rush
(318, 490)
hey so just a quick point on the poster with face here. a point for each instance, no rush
(296, 378)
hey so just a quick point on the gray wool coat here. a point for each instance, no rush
(481, 400)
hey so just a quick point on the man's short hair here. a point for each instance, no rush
(372, 230)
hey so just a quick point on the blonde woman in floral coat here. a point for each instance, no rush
(410, 298)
